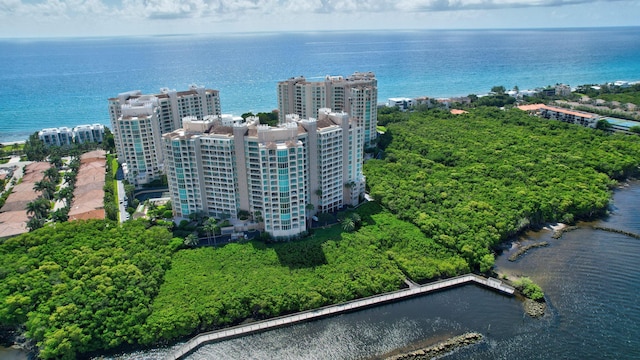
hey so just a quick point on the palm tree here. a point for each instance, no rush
(34, 223)
(55, 159)
(46, 187)
(348, 225)
(60, 215)
(66, 193)
(70, 178)
(52, 174)
(191, 240)
(39, 208)
(210, 227)
(308, 209)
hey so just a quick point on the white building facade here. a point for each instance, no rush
(221, 168)
(88, 133)
(138, 122)
(356, 95)
(56, 136)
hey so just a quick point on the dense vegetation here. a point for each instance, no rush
(110, 188)
(209, 287)
(265, 118)
(530, 289)
(469, 181)
(82, 286)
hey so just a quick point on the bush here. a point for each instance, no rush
(530, 289)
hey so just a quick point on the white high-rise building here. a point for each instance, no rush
(356, 95)
(219, 167)
(138, 122)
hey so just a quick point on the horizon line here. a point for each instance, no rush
(280, 32)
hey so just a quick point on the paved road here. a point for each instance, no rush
(19, 170)
(122, 205)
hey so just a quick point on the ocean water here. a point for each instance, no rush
(66, 82)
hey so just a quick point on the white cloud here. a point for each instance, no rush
(96, 17)
(168, 9)
(455, 5)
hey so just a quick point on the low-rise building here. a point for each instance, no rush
(569, 116)
(56, 136)
(88, 133)
(401, 103)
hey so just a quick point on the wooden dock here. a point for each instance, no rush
(260, 326)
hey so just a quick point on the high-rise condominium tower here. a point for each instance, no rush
(356, 95)
(138, 122)
(219, 166)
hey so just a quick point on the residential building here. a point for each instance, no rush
(569, 116)
(401, 103)
(356, 95)
(56, 136)
(219, 167)
(138, 122)
(563, 90)
(88, 133)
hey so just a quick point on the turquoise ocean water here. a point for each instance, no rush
(66, 82)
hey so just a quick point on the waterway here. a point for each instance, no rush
(590, 279)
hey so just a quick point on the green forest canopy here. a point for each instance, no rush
(82, 286)
(470, 181)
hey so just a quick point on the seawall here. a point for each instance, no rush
(354, 305)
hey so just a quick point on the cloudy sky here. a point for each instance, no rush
(55, 18)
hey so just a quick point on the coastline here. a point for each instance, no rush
(9, 143)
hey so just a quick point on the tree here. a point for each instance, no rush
(635, 129)
(604, 125)
(47, 188)
(210, 226)
(270, 118)
(356, 219)
(348, 224)
(52, 174)
(55, 159)
(498, 90)
(70, 178)
(128, 190)
(35, 223)
(35, 149)
(109, 142)
(191, 240)
(66, 193)
(60, 215)
(246, 115)
(39, 208)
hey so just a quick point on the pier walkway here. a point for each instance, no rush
(242, 330)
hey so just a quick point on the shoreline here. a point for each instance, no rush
(9, 143)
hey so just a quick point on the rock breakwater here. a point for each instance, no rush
(628, 233)
(524, 249)
(441, 348)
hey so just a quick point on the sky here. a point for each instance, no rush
(77, 18)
